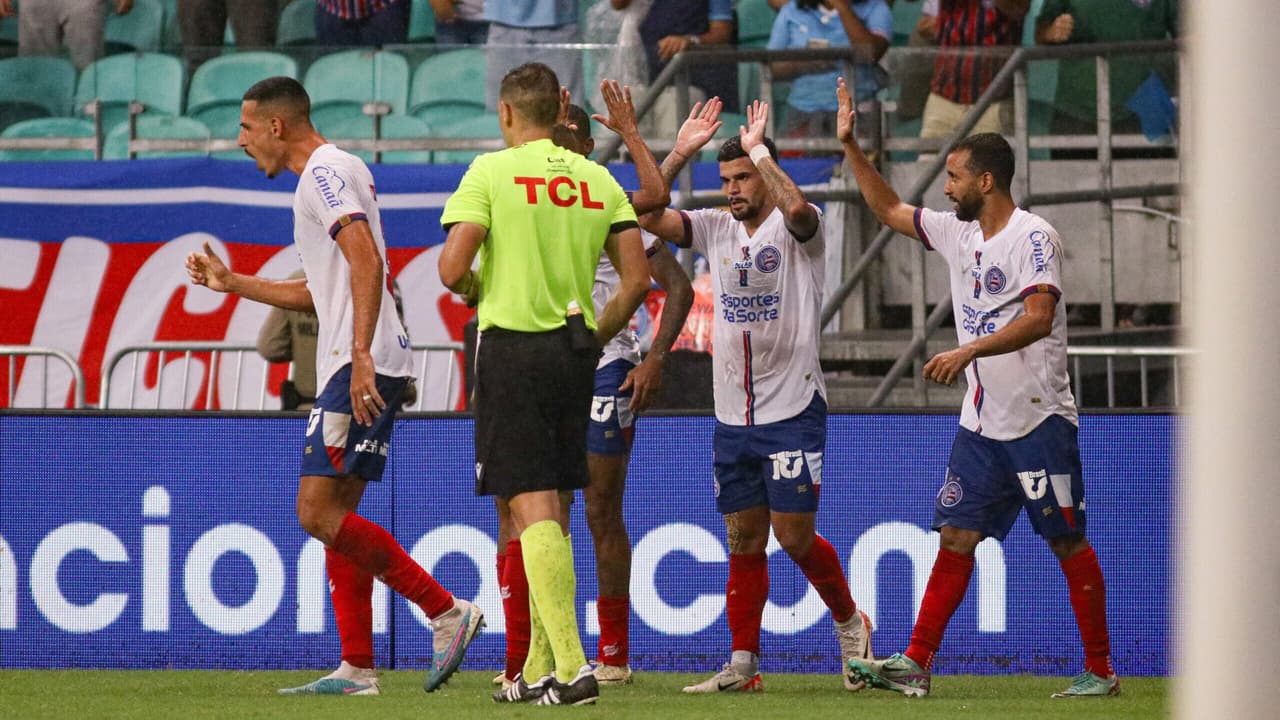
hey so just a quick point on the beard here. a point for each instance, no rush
(968, 208)
(743, 212)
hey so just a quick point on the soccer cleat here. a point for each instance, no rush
(346, 680)
(855, 644)
(898, 673)
(729, 679)
(583, 689)
(452, 633)
(613, 674)
(1086, 684)
(522, 692)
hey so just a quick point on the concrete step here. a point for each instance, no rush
(846, 391)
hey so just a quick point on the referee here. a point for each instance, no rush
(538, 215)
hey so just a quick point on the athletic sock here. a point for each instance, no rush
(1089, 602)
(515, 605)
(374, 550)
(822, 566)
(351, 590)
(948, 582)
(614, 613)
(745, 596)
(552, 588)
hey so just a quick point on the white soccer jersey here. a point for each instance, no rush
(625, 345)
(334, 189)
(1010, 394)
(768, 291)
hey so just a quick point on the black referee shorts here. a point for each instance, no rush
(532, 406)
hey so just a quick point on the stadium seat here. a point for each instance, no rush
(297, 23)
(755, 21)
(32, 87)
(341, 83)
(479, 126)
(213, 96)
(153, 79)
(141, 29)
(905, 17)
(9, 28)
(116, 146)
(422, 22)
(171, 36)
(449, 87)
(393, 126)
(58, 127)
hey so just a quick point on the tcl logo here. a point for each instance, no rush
(561, 190)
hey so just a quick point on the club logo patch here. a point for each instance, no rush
(768, 259)
(994, 280)
(950, 494)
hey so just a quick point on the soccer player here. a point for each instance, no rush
(766, 255)
(538, 216)
(1016, 445)
(362, 367)
(624, 386)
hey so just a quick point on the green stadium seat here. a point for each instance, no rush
(905, 17)
(481, 126)
(116, 145)
(297, 23)
(139, 30)
(213, 96)
(54, 127)
(9, 28)
(32, 87)
(153, 79)
(755, 21)
(171, 36)
(341, 83)
(422, 22)
(449, 87)
(393, 127)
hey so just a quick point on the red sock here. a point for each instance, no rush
(1089, 601)
(614, 613)
(351, 590)
(822, 566)
(374, 550)
(515, 605)
(947, 585)
(745, 596)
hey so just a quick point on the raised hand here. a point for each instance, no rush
(844, 112)
(757, 118)
(562, 117)
(207, 269)
(698, 129)
(1061, 28)
(622, 112)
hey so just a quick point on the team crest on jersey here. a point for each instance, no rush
(768, 259)
(950, 493)
(994, 280)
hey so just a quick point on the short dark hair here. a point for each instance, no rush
(732, 149)
(283, 91)
(989, 152)
(534, 91)
(578, 116)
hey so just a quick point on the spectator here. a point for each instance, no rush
(1075, 107)
(515, 26)
(203, 24)
(674, 26)
(46, 26)
(364, 23)
(966, 32)
(864, 24)
(460, 22)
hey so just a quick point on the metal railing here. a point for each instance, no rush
(244, 358)
(13, 352)
(1144, 357)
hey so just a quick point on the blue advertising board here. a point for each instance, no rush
(171, 542)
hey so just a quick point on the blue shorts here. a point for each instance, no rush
(777, 464)
(988, 481)
(337, 446)
(612, 424)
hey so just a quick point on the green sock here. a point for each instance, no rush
(540, 661)
(552, 589)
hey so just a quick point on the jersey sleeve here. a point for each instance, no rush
(470, 202)
(779, 35)
(880, 21)
(938, 231)
(330, 195)
(1039, 261)
(720, 10)
(624, 215)
(816, 245)
(701, 226)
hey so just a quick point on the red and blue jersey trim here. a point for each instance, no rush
(344, 221)
(1041, 288)
(920, 233)
(748, 381)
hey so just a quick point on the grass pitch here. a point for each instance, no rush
(157, 695)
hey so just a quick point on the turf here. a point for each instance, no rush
(154, 695)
